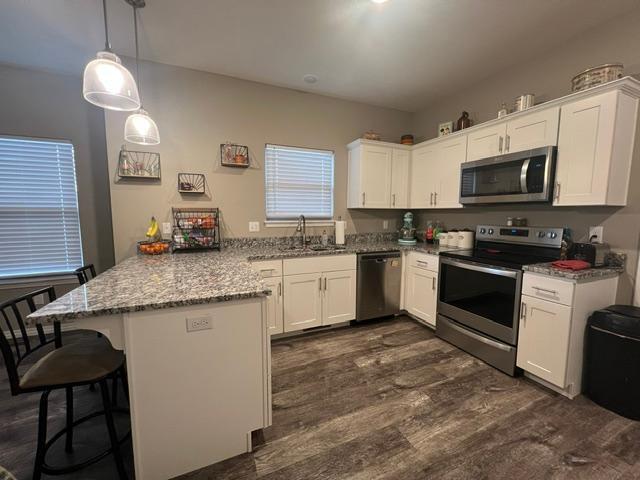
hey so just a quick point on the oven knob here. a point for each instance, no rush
(552, 235)
(483, 230)
(490, 231)
(542, 234)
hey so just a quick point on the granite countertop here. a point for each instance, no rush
(154, 282)
(580, 275)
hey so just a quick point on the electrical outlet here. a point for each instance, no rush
(597, 233)
(254, 226)
(199, 323)
(39, 299)
(166, 228)
(385, 224)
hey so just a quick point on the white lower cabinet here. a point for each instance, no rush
(544, 339)
(319, 291)
(302, 301)
(421, 287)
(553, 319)
(274, 305)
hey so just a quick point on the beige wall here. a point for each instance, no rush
(197, 111)
(41, 104)
(549, 76)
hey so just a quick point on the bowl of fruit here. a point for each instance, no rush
(154, 245)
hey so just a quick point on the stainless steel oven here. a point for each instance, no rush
(485, 298)
(512, 178)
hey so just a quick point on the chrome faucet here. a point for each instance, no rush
(302, 228)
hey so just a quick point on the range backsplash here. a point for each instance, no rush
(350, 238)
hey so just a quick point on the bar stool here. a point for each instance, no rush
(65, 367)
(85, 273)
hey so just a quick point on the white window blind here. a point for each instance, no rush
(298, 181)
(39, 224)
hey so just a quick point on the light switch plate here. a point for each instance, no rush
(199, 323)
(254, 226)
(598, 232)
(385, 224)
(166, 228)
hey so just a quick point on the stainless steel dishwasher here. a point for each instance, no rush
(378, 292)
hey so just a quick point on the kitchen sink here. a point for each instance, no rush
(312, 248)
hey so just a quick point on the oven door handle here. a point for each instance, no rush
(523, 175)
(482, 268)
(478, 337)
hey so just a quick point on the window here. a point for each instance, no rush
(39, 224)
(298, 181)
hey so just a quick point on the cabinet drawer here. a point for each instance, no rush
(331, 263)
(268, 268)
(424, 261)
(546, 288)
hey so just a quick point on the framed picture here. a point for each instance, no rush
(445, 128)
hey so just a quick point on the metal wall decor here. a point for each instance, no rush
(232, 155)
(136, 164)
(191, 183)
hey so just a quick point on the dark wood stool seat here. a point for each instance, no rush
(78, 363)
(66, 367)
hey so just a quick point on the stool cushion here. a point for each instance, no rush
(76, 363)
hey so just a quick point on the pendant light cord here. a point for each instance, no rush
(107, 45)
(135, 31)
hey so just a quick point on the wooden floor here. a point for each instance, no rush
(388, 400)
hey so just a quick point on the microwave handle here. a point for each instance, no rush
(523, 175)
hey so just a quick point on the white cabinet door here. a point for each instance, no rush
(274, 305)
(339, 297)
(423, 162)
(543, 339)
(585, 150)
(400, 164)
(302, 301)
(375, 171)
(446, 173)
(421, 295)
(537, 129)
(486, 142)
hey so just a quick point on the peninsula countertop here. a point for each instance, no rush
(145, 282)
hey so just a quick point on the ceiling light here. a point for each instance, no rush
(106, 82)
(309, 78)
(140, 127)
(378, 1)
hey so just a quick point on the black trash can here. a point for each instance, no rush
(612, 366)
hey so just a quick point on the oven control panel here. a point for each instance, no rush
(543, 236)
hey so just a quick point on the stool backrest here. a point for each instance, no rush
(85, 273)
(15, 344)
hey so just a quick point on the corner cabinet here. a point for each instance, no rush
(595, 150)
(553, 319)
(378, 174)
(319, 291)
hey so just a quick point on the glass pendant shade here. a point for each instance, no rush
(141, 129)
(108, 84)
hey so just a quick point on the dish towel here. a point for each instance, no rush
(571, 264)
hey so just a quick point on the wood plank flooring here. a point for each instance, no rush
(389, 400)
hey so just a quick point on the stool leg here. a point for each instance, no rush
(68, 446)
(113, 437)
(42, 435)
(114, 390)
(125, 383)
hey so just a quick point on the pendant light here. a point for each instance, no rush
(140, 127)
(107, 83)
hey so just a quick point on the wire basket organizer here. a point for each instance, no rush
(136, 164)
(196, 229)
(233, 155)
(191, 183)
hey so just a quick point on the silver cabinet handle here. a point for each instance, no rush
(523, 311)
(363, 197)
(545, 290)
(325, 284)
(507, 143)
(320, 284)
(431, 199)
(435, 198)
(556, 194)
(279, 289)
(394, 199)
(433, 283)
(500, 142)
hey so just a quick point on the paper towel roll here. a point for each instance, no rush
(341, 226)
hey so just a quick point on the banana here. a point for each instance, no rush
(153, 230)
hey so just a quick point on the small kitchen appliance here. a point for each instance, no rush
(408, 231)
(593, 253)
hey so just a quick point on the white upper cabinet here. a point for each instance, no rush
(595, 149)
(423, 164)
(486, 142)
(378, 175)
(537, 129)
(400, 165)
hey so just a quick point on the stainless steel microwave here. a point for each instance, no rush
(512, 178)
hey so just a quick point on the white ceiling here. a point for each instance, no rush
(402, 54)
